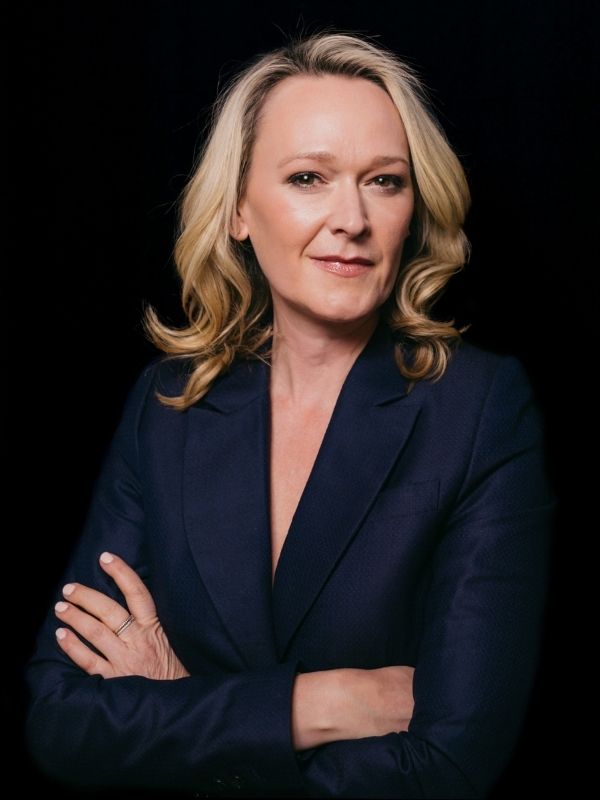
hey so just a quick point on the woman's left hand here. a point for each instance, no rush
(141, 648)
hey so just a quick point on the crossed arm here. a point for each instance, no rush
(327, 706)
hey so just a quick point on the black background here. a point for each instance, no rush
(109, 101)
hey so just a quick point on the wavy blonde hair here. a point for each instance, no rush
(225, 296)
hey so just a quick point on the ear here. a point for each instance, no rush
(239, 228)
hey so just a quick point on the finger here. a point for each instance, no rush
(90, 628)
(139, 600)
(81, 655)
(100, 605)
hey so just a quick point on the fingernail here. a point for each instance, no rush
(60, 633)
(68, 588)
(60, 606)
(106, 558)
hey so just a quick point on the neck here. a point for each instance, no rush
(310, 361)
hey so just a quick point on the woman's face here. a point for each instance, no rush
(329, 197)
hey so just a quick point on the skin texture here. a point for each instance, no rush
(348, 203)
(142, 649)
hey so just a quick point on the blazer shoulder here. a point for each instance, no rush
(169, 375)
(161, 374)
(474, 373)
(480, 366)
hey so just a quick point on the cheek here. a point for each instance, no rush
(283, 222)
(299, 218)
(394, 235)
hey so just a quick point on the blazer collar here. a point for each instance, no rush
(373, 379)
(226, 493)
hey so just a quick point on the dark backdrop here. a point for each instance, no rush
(108, 108)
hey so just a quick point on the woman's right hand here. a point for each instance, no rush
(142, 649)
(349, 703)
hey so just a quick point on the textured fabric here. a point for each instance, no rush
(422, 538)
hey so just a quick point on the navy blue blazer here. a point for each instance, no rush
(422, 538)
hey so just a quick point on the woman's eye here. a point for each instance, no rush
(303, 179)
(389, 181)
(308, 180)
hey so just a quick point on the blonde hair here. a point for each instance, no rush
(225, 296)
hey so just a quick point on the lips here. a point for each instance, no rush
(343, 267)
(340, 260)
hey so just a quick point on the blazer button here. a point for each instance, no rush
(220, 786)
(237, 782)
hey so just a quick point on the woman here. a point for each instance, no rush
(315, 561)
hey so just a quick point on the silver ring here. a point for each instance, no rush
(124, 625)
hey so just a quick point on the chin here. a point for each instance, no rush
(351, 309)
(334, 310)
(343, 315)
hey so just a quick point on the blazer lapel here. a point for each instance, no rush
(226, 506)
(226, 494)
(369, 427)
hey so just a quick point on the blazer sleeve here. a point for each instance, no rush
(212, 732)
(482, 623)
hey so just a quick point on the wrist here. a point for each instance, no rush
(315, 708)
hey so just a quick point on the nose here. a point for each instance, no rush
(348, 213)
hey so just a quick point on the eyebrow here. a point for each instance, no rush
(323, 155)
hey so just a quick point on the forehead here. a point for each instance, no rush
(325, 111)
